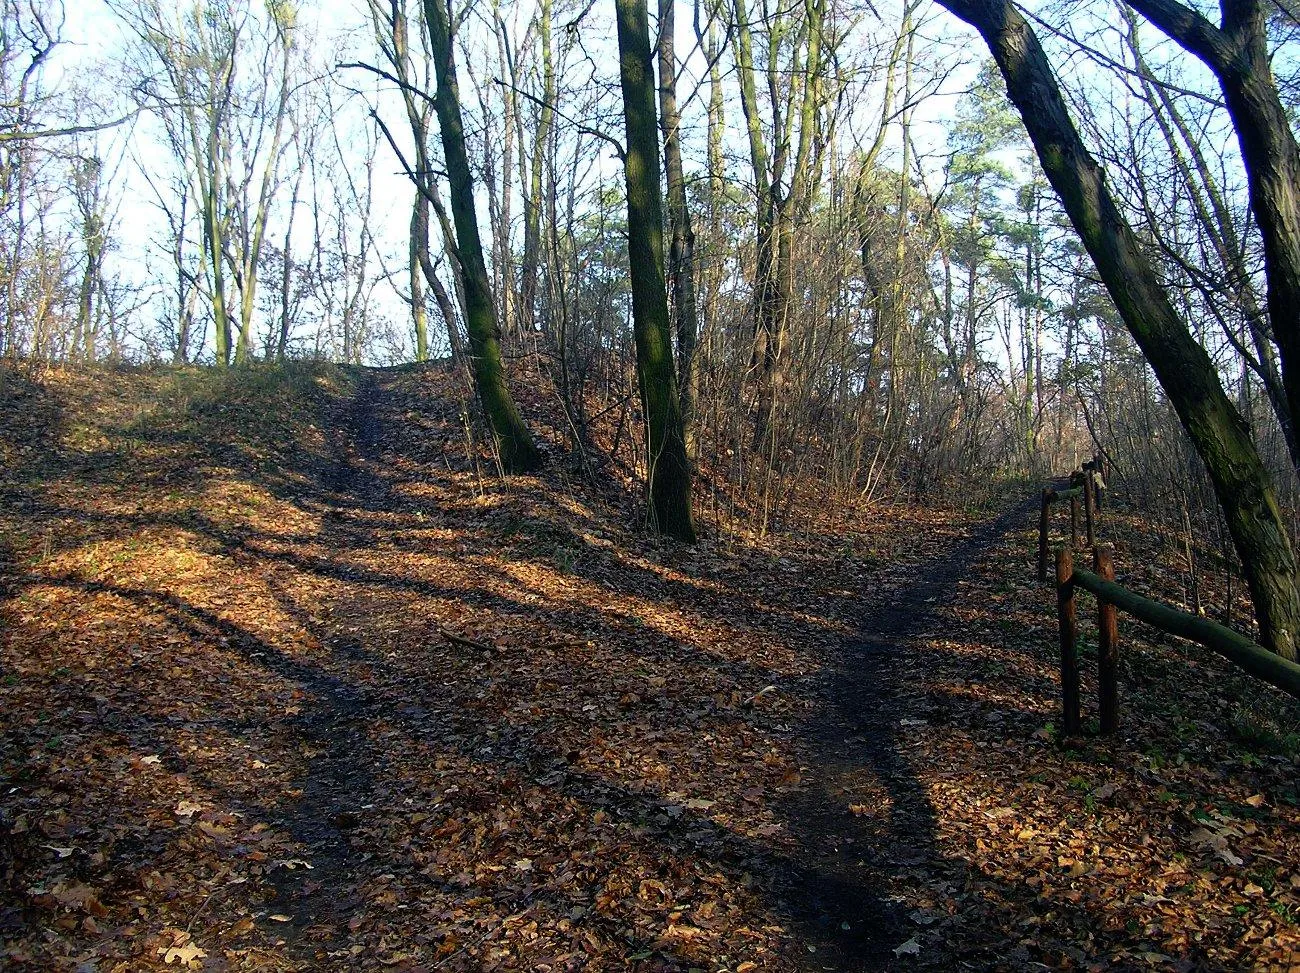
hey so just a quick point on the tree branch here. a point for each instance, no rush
(27, 136)
(585, 129)
(1188, 28)
(404, 85)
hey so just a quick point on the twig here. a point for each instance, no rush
(462, 640)
(749, 703)
(221, 888)
(404, 85)
(40, 133)
(585, 129)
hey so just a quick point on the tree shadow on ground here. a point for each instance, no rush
(836, 886)
(336, 715)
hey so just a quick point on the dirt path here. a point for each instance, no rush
(581, 782)
(853, 859)
(321, 895)
(238, 736)
(831, 887)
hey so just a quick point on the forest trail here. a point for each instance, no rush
(290, 682)
(828, 883)
(870, 692)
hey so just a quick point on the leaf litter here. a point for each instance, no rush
(287, 684)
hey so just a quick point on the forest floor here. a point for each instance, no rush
(285, 684)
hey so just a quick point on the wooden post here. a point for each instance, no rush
(1103, 562)
(1069, 626)
(1044, 514)
(1089, 506)
(1074, 521)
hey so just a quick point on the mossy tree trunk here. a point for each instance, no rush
(668, 470)
(1182, 366)
(1237, 54)
(514, 442)
(681, 248)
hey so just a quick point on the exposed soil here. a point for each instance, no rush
(855, 748)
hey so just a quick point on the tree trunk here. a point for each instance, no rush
(1212, 213)
(1238, 56)
(419, 238)
(447, 308)
(681, 250)
(1182, 366)
(514, 443)
(668, 470)
(765, 249)
(533, 198)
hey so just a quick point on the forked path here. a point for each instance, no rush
(832, 889)
(296, 687)
(868, 825)
(858, 828)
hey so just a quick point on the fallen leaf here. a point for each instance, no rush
(909, 948)
(184, 955)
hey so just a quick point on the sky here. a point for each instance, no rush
(94, 34)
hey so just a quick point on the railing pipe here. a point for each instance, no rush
(1255, 659)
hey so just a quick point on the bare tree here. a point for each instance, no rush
(226, 78)
(514, 442)
(668, 469)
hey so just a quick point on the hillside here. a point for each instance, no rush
(290, 680)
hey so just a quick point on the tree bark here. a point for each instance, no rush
(668, 470)
(779, 204)
(1182, 366)
(514, 442)
(419, 238)
(1237, 54)
(681, 250)
(533, 197)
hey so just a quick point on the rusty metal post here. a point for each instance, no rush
(1103, 561)
(1068, 623)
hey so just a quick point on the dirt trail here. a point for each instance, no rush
(578, 783)
(332, 729)
(508, 730)
(859, 761)
(831, 888)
